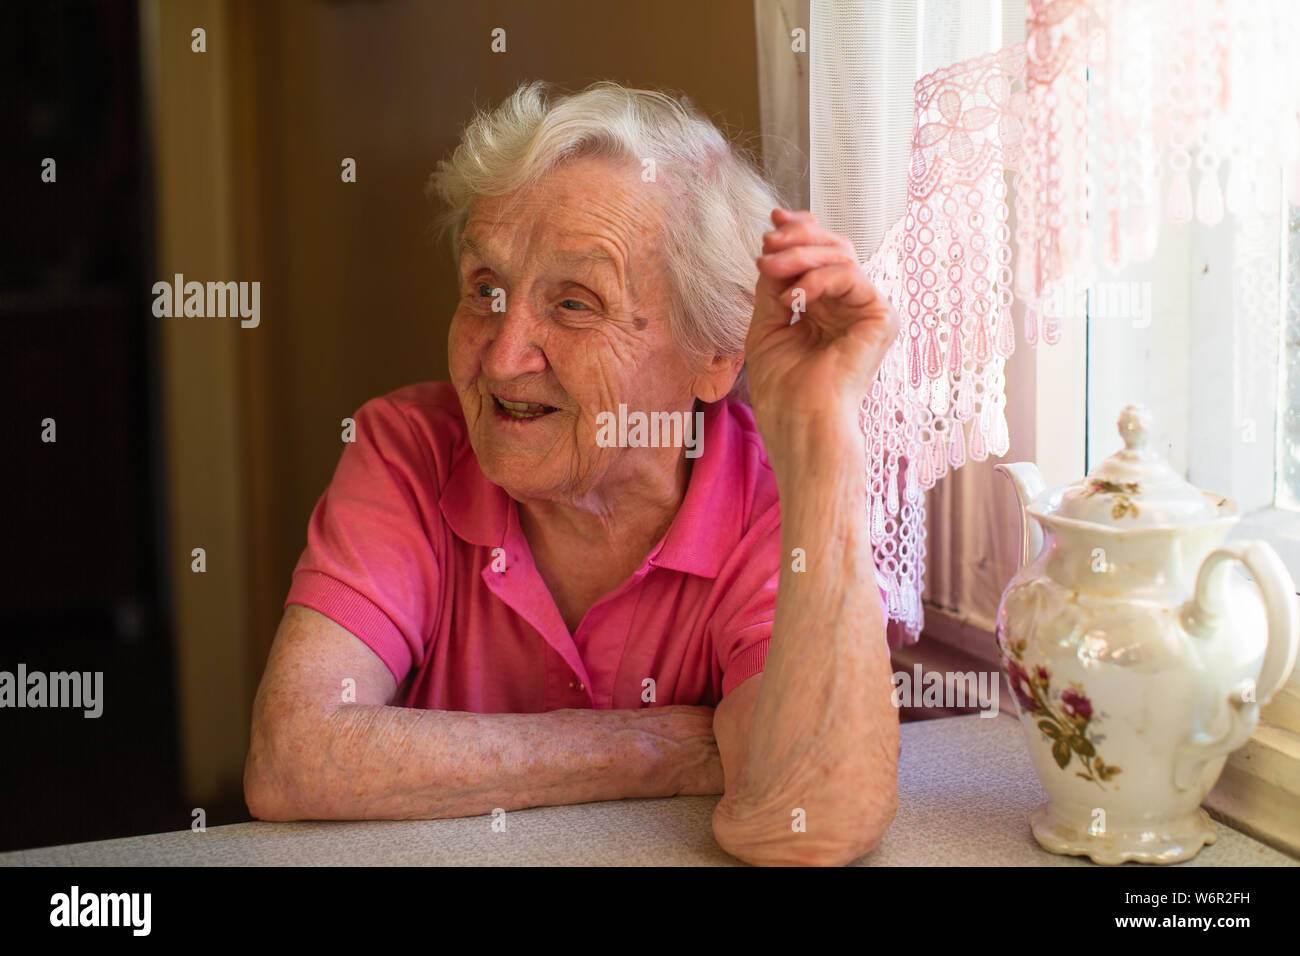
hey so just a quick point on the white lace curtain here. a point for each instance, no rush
(926, 134)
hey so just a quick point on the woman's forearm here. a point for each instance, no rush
(823, 737)
(381, 762)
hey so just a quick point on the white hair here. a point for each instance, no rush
(720, 206)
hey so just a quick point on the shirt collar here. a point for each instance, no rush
(701, 536)
(474, 508)
(706, 527)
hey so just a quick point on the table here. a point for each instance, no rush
(966, 788)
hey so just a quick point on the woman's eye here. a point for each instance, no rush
(485, 290)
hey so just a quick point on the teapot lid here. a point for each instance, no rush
(1135, 487)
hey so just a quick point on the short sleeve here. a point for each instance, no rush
(370, 563)
(742, 642)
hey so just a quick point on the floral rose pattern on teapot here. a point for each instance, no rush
(1068, 729)
(1123, 506)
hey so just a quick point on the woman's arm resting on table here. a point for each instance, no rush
(817, 730)
(311, 756)
(816, 741)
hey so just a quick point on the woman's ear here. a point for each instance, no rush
(716, 378)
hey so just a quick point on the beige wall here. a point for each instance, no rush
(355, 296)
(201, 380)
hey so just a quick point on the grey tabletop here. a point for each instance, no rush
(966, 788)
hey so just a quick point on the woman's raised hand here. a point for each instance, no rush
(824, 363)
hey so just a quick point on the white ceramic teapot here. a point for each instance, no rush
(1137, 663)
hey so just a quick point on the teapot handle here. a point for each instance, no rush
(1202, 615)
(1232, 719)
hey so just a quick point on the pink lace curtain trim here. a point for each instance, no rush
(1096, 121)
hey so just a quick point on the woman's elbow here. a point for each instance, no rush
(874, 821)
(270, 788)
(828, 835)
(262, 792)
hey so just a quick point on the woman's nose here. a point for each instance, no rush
(514, 347)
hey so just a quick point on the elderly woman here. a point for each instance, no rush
(502, 606)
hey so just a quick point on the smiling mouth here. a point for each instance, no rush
(522, 411)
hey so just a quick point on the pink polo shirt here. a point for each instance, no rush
(416, 553)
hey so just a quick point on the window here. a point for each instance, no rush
(1176, 334)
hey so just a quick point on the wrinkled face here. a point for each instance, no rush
(581, 325)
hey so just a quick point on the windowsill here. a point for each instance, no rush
(1259, 789)
(1258, 792)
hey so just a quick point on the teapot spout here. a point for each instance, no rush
(1029, 484)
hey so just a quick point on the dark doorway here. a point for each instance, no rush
(84, 586)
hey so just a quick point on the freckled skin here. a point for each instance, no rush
(583, 337)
